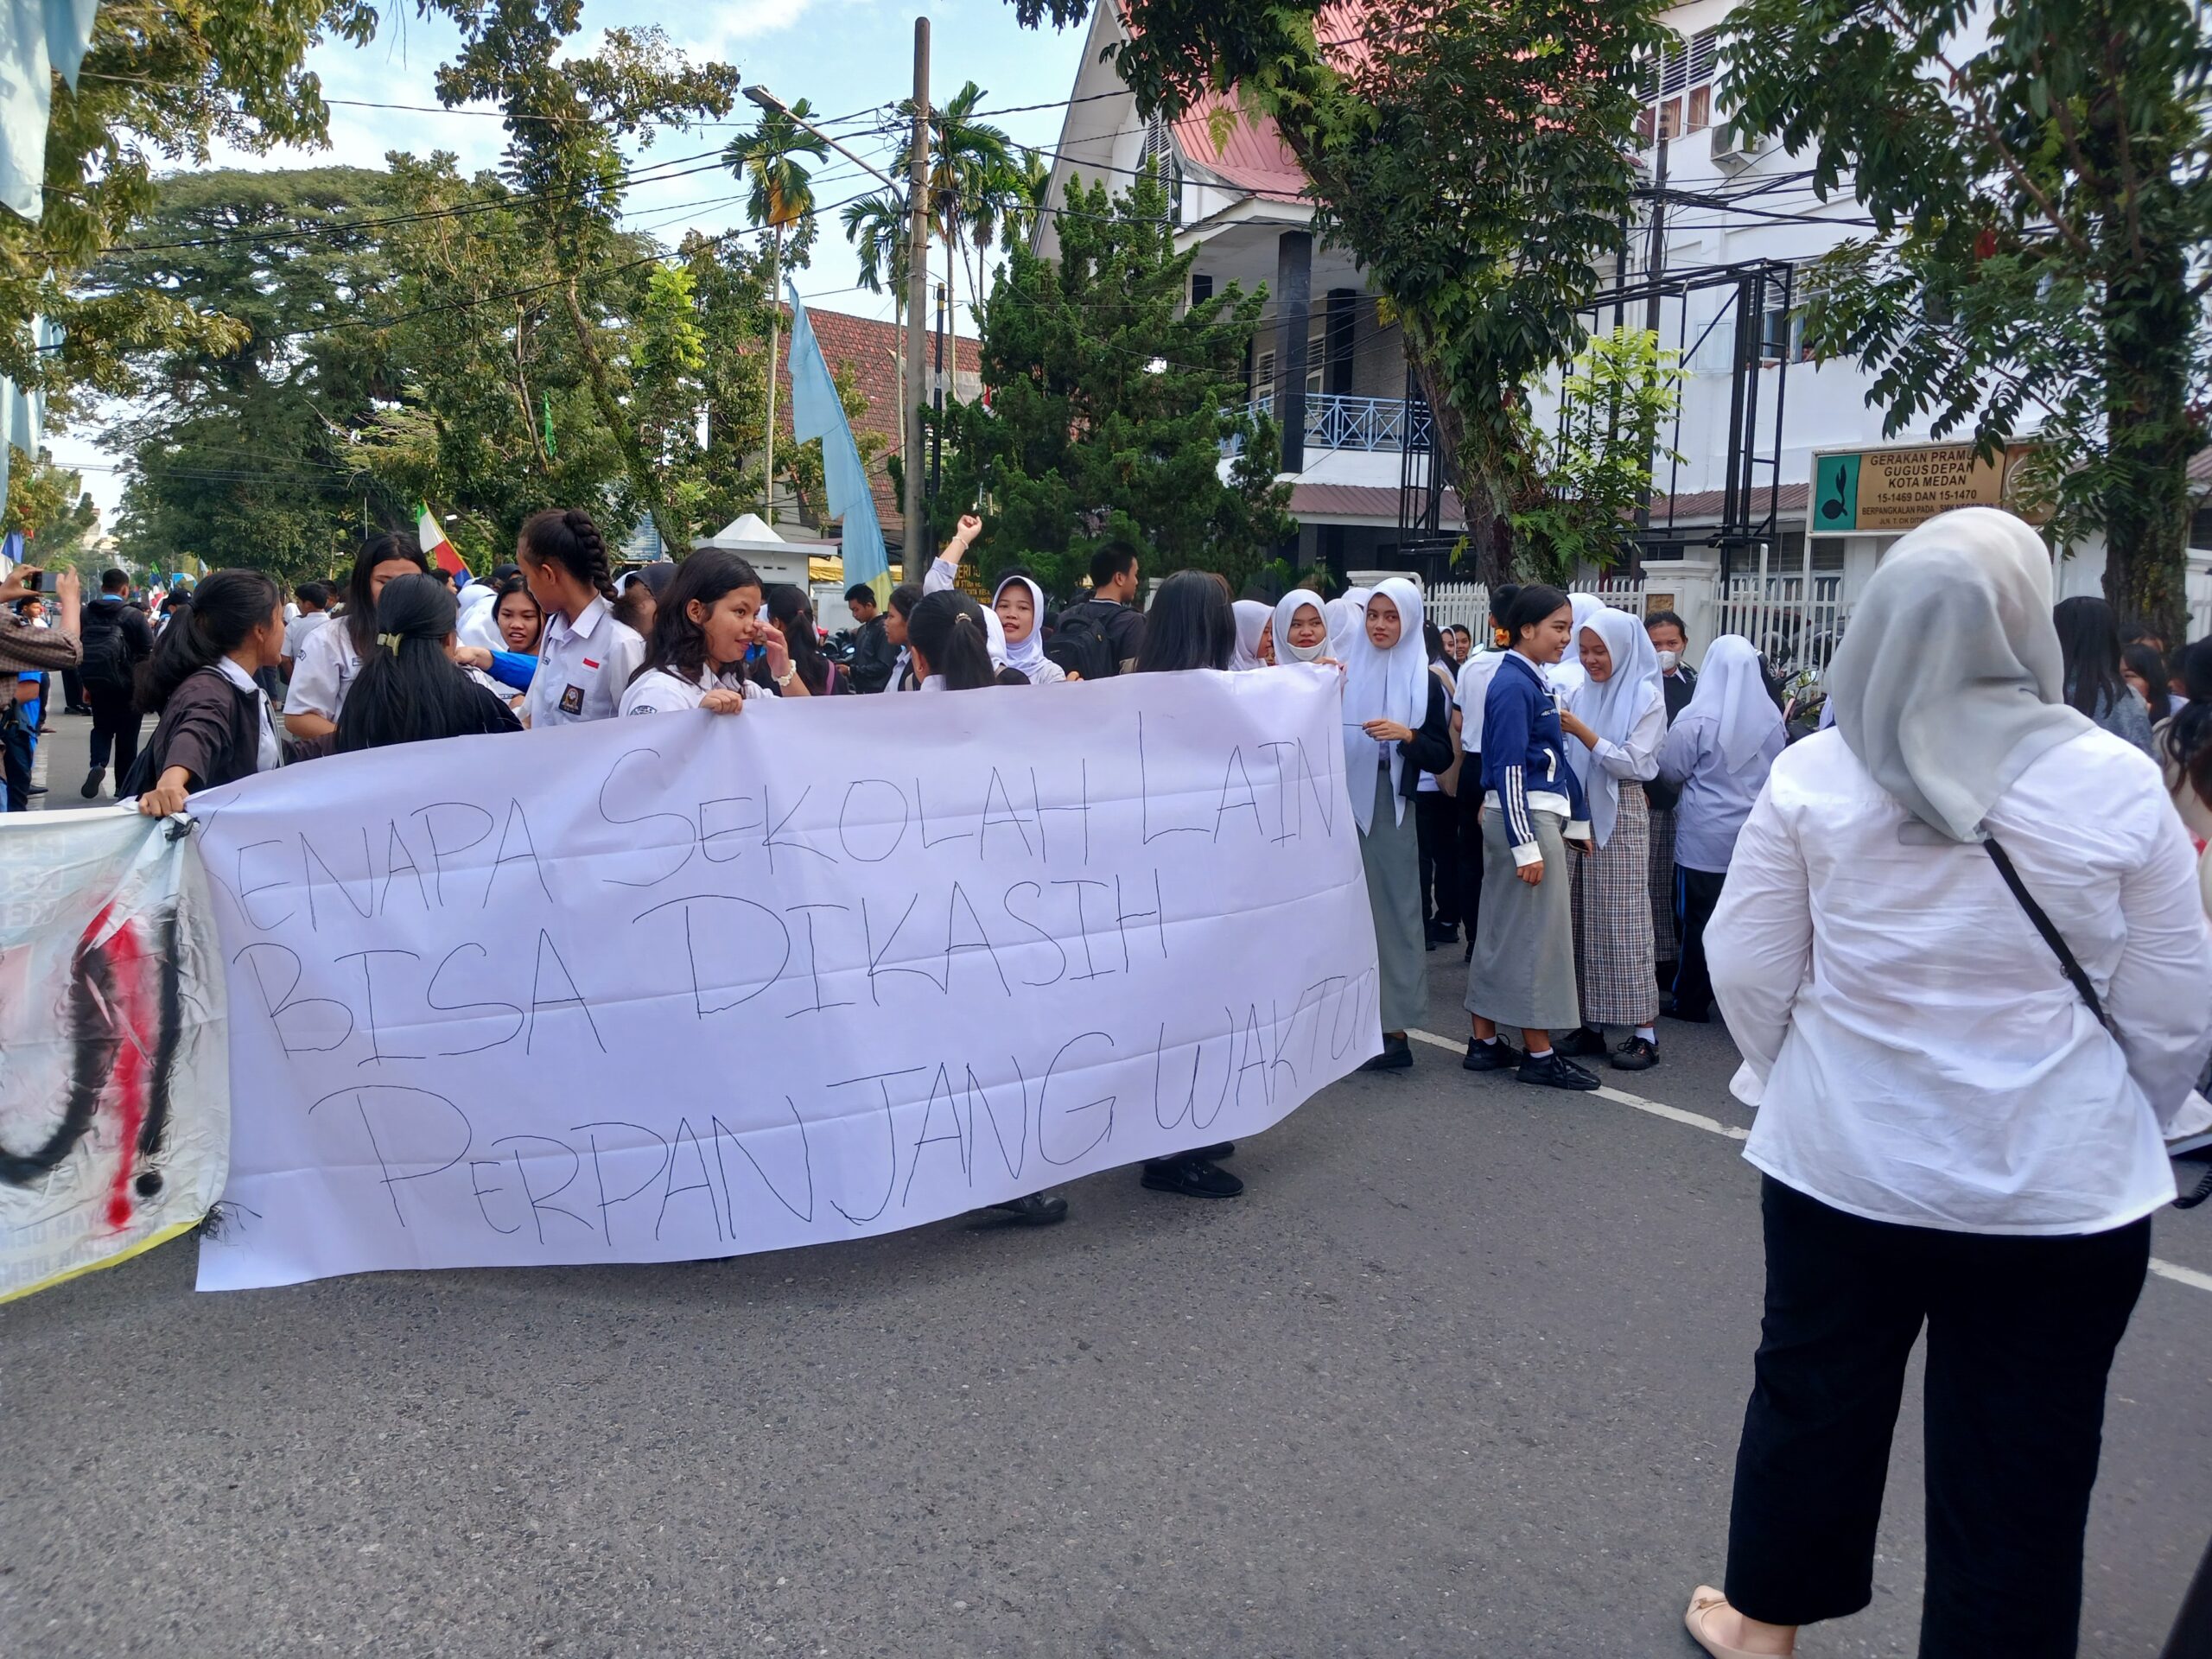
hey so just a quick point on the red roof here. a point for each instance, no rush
(1255, 156)
(873, 348)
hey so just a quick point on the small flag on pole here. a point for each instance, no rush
(546, 404)
(435, 547)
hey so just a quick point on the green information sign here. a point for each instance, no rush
(1836, 494)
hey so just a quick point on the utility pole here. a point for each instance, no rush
(936, 403)
(917, 552)
(1654, 267)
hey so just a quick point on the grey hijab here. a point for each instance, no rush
(1948, 682)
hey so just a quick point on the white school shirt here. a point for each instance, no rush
(663, 693)
(301, 629)
(1473, 686)
(323, 671)
(269, 753)
(1715, 801)
(582, 669)
(1915, 1050)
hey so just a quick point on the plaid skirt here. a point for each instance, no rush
(1664, 946)
(1612, 921)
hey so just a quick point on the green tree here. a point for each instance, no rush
(240, 435)
(782, 198)
(484, 349)
(162, 84)
(1474, 155)
(49, 504)
(2041, 207)
(1110, 405)
(566, 116)
(1615, 400)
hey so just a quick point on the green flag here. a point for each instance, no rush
(551, 453)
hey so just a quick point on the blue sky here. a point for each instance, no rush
(844, 55)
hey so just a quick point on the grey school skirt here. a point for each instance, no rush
(1390, 851)
(1521, 974)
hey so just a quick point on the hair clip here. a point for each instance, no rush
(390, 641)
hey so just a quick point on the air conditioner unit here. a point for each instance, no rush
(1733, 149)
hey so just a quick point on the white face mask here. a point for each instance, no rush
(1307, 653)
(1667, 659)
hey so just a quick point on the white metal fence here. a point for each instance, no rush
(1795, 621)
(1467, 603)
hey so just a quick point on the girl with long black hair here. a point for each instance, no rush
(587, 657)
(793, 618)
(708, 621)
(1189, 625)
(519, 617)
(949, 643)
(412, 690)
(2088, 643)
(215, 726)
(332, 656)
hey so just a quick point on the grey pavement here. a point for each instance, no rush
(1460, 1373)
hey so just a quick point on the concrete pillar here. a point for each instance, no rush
(1294, 298)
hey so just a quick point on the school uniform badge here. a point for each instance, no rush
(572, 700)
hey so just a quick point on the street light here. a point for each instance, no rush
(774, 105)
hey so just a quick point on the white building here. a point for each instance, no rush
(1334, 374)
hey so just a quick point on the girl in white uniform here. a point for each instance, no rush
(587, 659)
(707, 621)
(1018, 604)
(332, 656)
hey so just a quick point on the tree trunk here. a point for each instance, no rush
(2150, 435)
(1465, 455)
(674, 537)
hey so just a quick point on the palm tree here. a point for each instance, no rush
(876, 226)
(782, 195)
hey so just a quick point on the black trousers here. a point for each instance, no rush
(1697, 895)
(18, 740)
(2020, 1336)
(115, 725)
(1436, 827)
(1469, 812)
(73, 689)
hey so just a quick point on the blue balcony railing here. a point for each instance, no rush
(1338, 421)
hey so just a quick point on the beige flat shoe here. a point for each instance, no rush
(1705, 1601)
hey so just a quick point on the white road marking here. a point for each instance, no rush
(2172, 1270)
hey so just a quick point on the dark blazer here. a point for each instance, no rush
(1431, 749)
(209, 728)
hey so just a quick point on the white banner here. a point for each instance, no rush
(114, 1082)
(689, 986)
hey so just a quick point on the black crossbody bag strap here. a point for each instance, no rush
(2045, 927)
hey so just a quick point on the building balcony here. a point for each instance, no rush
(1340, 421)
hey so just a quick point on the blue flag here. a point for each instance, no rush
(817, 412)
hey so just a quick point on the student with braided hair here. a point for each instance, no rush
(586, 657)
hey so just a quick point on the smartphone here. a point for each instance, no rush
(43, 582)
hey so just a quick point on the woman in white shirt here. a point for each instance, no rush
(330, 657)
(1948, 1132)
(1018, 604)
(586, 659)
(706, 622)
(1617, 717)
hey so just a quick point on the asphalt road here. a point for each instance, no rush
(1460, 1373)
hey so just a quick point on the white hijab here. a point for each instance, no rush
(1611, 706)
(1948, 682)
(1287, 610)
(1383, 685)
(1252, 618)
(994, 630)
(1347, 614)
(1568, 675)
(1029, 655)
(1732, 693)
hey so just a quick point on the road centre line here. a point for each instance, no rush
(2172, 1270)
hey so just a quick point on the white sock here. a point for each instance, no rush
(1650, 1034)
(1540, 1054)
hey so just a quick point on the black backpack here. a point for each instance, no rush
(1080, 646)
(107, 654)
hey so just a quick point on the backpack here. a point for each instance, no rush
(1080, 646)
(106, 653)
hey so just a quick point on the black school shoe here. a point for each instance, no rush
(1397, 1055)
(1556, 1071)
(1636, 1054)
(1033, 1210)
(1190, 1175)
(93, 781)
(1495, 1055)
(1582, 1044)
